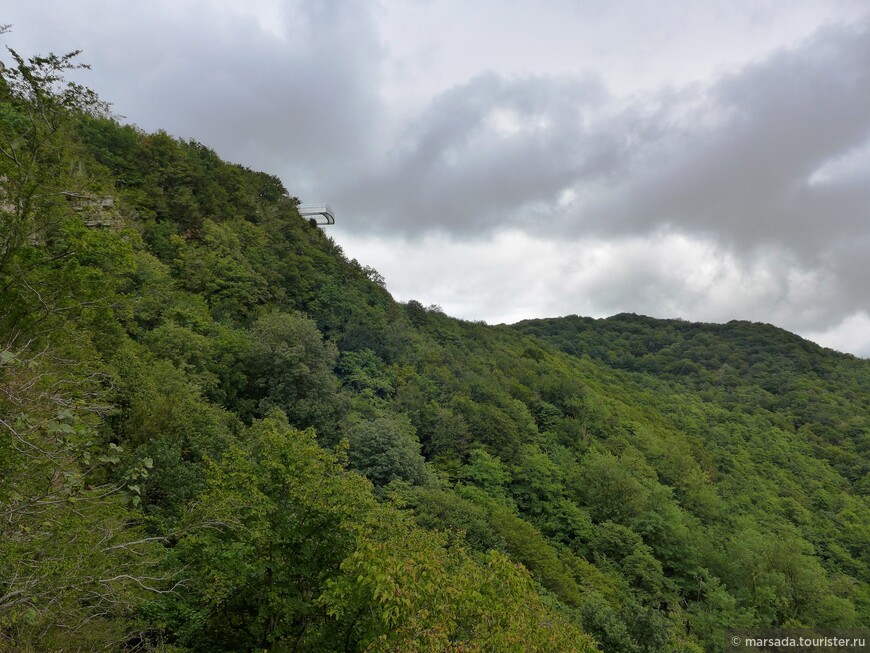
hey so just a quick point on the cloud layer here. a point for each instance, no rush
(756, 157)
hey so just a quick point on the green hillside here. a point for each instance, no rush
(791, 382)
(220, 434)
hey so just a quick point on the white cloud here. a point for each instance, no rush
(850, 335)
(511, 276)
(853, 165)
(634, 45)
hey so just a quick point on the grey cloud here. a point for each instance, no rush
(748, 180)
(301, 105)
(481, 150)
(848, 261)
(732, 159)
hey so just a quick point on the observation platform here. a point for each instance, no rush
(321, 213)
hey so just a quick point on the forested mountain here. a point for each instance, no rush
(220, 434)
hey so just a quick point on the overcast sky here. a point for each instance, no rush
(509, 159)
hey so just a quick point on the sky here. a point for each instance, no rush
(509, 159)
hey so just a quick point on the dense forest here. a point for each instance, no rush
(217, 433)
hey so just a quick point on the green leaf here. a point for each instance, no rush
(56, 427)
(30, 616)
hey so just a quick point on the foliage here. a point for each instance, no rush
(291, 368)
(218, 433)
(275, 521)
(386, 449)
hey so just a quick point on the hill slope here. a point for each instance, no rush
(824, 394)
(220, 434)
